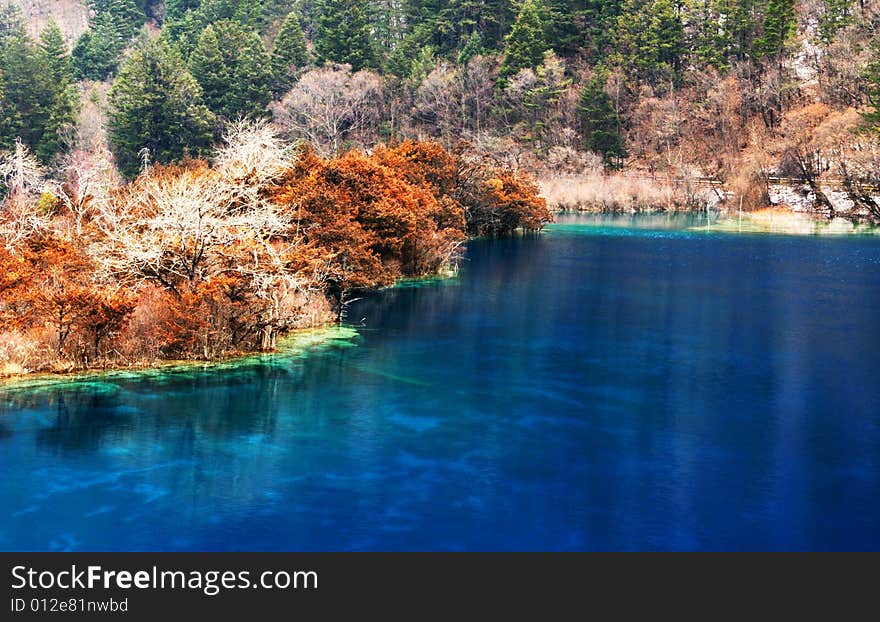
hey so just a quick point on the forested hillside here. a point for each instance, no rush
(733, 90)
(338, 144)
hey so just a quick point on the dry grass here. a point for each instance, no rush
(622, 192)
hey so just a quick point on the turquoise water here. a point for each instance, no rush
(604, 385)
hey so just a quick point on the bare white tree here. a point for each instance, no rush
(88, 180)
(329, 105)
(22, 177)
(20, 172)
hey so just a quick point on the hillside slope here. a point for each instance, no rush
(71, 15)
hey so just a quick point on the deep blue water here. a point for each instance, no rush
(588, 388)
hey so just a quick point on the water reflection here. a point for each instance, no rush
(568, 391)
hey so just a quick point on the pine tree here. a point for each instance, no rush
(343, 34)
(779, 25)
(666, 35)
(156, 104)
(526, 42)
(600, 122)
(835, 15)
(66, 100)
(472, 47)
(52, 42)
(96, 53)
(872, 77)
(11, 22)
(113, 26)
(125, 17)
(176, 9)
(184, 30)
(600, 19)
(36, 107)
(233, 70)
(289, 53)
(560, 25)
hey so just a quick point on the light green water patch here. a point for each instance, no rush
(617, 231)
(390, 376)
(449, 277)
(769, 222)
(790, 223)
(294, 346)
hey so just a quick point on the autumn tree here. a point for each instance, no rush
(801, 153)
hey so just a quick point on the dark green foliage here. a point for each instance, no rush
(157, 105)
(650, 40)
(600, 25)
(232, 68)
(872, 76)
(343, 34)
(779, 25)
(472, 47)
(561, 25)
(96, 53)
(185, 28)
(289, 53)
(11, 21)
(125, 16)
(446, 25)
(176, 9)
(836, 14)
(600, 122)
(526, 42)
(63, 110)
(57, 56)
(38, 100)
(113, 25)
(402, 59)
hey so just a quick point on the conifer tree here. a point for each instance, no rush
(779, 25)
(52, 42)
(526, 43)
(112, 27)
(872, 76)
(560, 24)
(289, 53)
(666, 35)
(835, 15)
(157, 105)
(36, 107)
(343, 34)
(232, 68)
(472, 47)
(96, 53)
(66, 98)
(600, 121)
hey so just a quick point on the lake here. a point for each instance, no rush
(606, 385)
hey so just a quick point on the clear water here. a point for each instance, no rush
(600, 386)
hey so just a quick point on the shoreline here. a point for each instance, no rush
(299, 342)
(296, 344)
